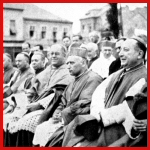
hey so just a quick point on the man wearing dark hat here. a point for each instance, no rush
(81, 89)
(117, 102)
(76, 98)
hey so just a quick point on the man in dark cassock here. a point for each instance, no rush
(119, 105)
(77, 96)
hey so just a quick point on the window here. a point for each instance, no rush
(43, 33)
(90, 28)
(83, 26)
(54, 34)
(12, 27)
(65, 32)
(32, 31)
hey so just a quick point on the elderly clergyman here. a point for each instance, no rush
(113, 103)
(77, 96)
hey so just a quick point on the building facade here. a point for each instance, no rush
(27, 22)
(96, 19)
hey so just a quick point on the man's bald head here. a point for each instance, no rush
(22, 61)
(57, 55)
(92, 46)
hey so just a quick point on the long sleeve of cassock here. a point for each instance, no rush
(82, 105)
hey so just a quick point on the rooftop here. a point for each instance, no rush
(31, 11)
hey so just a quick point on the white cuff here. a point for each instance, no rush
(128, 123)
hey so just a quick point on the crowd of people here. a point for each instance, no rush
(78, 95)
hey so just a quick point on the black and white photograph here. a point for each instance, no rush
(75, 75)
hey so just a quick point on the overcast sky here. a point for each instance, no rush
(75, 11)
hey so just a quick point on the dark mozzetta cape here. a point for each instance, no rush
(79, 94)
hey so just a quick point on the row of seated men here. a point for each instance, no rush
(71, 104)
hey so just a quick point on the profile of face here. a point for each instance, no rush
(21, 61)
(56, 55)
(91, 53)
(107, 52)
(66, 42)
(37, 62)
(25, 48)
(75, 65)
(6, 61)
(129, 54)
(75, 39)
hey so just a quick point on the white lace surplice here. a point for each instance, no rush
(29, 121)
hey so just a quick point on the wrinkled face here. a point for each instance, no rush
(37, 62)
(129, 55)
(56, 56)
(107, 51)
(25, 48)
(21, 61)
(75, 65)
(6, 61)
(66, 42)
